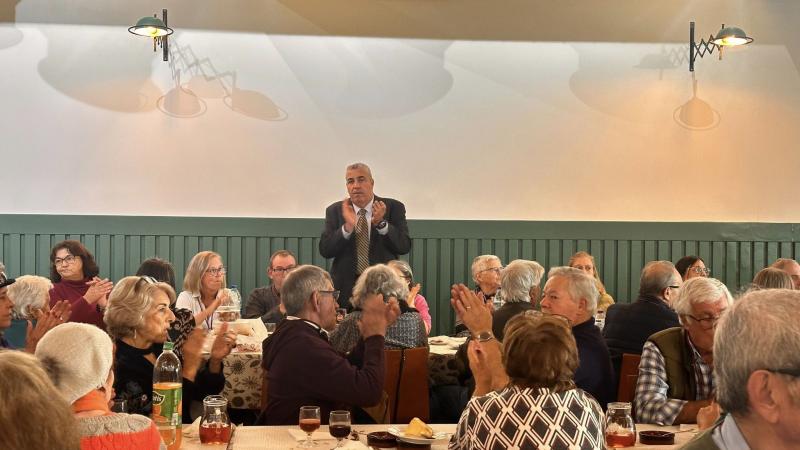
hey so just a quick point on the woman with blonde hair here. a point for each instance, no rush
(203, 288)
(585, 262)
(139, 318)
(33, 415)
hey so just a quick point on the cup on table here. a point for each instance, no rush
(270, 327)
(339, 425)
(309, 423)
(119, 405)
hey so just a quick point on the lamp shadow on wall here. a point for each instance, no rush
(366, 77)
(696, 114)
(666, 59)
(106, 70)
(207, 82)
(10, 35)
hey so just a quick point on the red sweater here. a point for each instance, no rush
(82, 311)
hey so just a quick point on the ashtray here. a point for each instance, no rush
(655, 437)
(381, 439)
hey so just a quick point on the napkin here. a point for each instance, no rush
(322, 436)
(193, 430)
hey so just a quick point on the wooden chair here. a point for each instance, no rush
(406, 384)
(628, 374)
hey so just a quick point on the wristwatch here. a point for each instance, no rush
(484, 336)
(381, 225)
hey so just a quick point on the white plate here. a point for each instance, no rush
(438, 438)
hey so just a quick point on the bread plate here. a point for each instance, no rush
(438, 438)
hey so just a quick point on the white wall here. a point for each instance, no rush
(93, 122)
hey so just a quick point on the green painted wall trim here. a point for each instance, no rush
(441, 253)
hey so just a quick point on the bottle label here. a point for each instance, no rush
(167, 404)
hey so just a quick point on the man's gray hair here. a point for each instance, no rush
(759, 332)
(700, 290)
(656, 276)
(360, 165)
(480, 263)
(518, 278)
(379, 279)
(580, 286)
(29, 293)
(300, 284)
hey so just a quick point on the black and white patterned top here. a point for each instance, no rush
(408, 331)
(526, 418)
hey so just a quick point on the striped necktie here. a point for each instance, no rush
(362, 242)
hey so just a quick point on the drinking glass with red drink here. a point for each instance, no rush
(339, 425)
(309, 423)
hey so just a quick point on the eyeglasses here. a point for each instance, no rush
(496, 270)
(67, 260)
(791, 372)
(701, 270)
(283, 269)
(706, 323)
(216, 271)
(334, 294)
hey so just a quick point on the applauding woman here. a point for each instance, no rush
(139, 317)
(74, 274)
(203, 288)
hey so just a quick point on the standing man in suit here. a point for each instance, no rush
(362, 230)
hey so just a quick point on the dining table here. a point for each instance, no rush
(290, 437)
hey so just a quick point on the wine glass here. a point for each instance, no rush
(119, 405)
(309, 422)
(339, 425)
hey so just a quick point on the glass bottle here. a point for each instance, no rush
(620, 429)
(215, 427)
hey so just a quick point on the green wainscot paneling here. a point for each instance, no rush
(441, 253)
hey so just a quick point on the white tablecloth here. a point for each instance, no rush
(267, 438)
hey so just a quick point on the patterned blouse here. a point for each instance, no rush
(526, 418)
(408, 331)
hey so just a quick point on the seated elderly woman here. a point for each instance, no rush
(26, 299)
(138, 317)
(204, 288)
(34, 415)
(409, 329)
(415, 299)
(772, 278)
(162, 270)
(78, 358)
(524, 395)
(74, 273)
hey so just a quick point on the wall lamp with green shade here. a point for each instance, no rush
(155, 28)
(726, 37)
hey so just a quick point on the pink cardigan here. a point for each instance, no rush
(421, 305)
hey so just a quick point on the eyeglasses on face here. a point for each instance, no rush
(334, 294)
(496, 270)
(705, 271)
(67, 260)
(790, 372)
(705, 323)
(283, 269)
(216, 271)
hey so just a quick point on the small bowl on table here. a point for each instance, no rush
(657, 437)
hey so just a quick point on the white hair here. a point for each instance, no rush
(300, 284)
(480, 263)
(29, 293)
(518, 278)
(696, 291)
(379, 279)
(580, 286)
(759, 332)
(360, 165)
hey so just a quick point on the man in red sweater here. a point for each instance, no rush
(302, 368)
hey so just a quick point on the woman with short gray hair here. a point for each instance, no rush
(519, 287)
(414, 299)
(409, 329)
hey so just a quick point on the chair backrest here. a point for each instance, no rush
(628, 374)
(406, 384)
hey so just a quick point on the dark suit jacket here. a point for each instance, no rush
(382, 248)
(627, 327)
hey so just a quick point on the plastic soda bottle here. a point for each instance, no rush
(167, 397)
